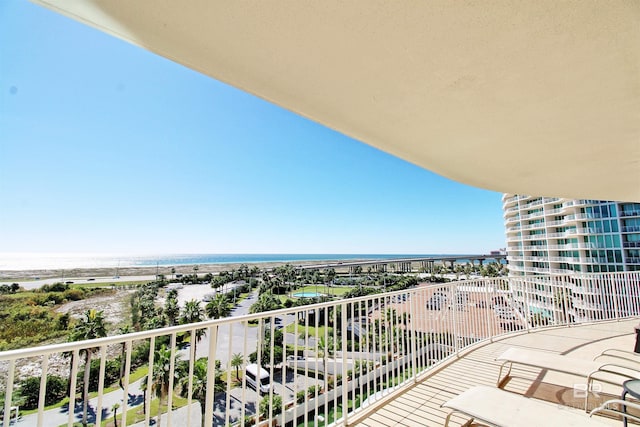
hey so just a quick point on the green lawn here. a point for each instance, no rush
(136, 415)
(310, 330)
(332, 417)
(325, 290)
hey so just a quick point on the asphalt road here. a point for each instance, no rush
(34, 284)
(231, 340)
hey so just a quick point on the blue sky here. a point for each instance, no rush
(108, 148)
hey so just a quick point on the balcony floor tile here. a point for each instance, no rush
(420, 404)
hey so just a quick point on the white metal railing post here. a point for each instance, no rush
(377, 345)
(271, 355)
(615, 293)
(245, 326)
(9, 393)
(172, 370)
(151, 358)
(486, 302)
(527, 286)
(343, 350)
(315, 351)
(385, 336)
(229, 357)
(43, 389)
(126, 383)
(365, 344)
(454, 309)
(568, 303)
(345, 388)
(327, 351)
(413, 336)
(557, 299)
(72, 389)
(192, 360)
(211, 375)
(103, 362)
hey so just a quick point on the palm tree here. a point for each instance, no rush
(171, 308)
(265, 302)
(122, 331)
(160, 376)
(218, 307)
(325, 348)
(198, 385)
(143, 388)
(330, 274)
(92, 325)
(236, 362)
(193, 313)
(115, 414)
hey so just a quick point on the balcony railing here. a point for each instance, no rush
(320, 361)
(532, 215)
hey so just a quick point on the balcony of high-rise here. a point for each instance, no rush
(538, 98)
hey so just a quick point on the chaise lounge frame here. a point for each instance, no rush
(496, 407)
(588, 369)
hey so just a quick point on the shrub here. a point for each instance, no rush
(30, 391)
(56, 287)
(311, 391)
(63, 321)
(74, 294)
(275, 404)
(37, 299)
(111, 374)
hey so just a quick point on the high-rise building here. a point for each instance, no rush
(552, 235)
(548, 235)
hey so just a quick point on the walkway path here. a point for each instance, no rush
(59, 416)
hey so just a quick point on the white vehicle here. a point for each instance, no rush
(258, 378)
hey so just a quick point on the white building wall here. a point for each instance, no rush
(565, 236)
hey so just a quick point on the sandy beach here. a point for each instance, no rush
(131, 273)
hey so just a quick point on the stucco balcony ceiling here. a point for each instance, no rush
(539, 98)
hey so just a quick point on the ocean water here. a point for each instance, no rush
(52, 261)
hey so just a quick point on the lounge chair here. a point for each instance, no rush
(496, 407)
(616, 353)
(603, 370)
